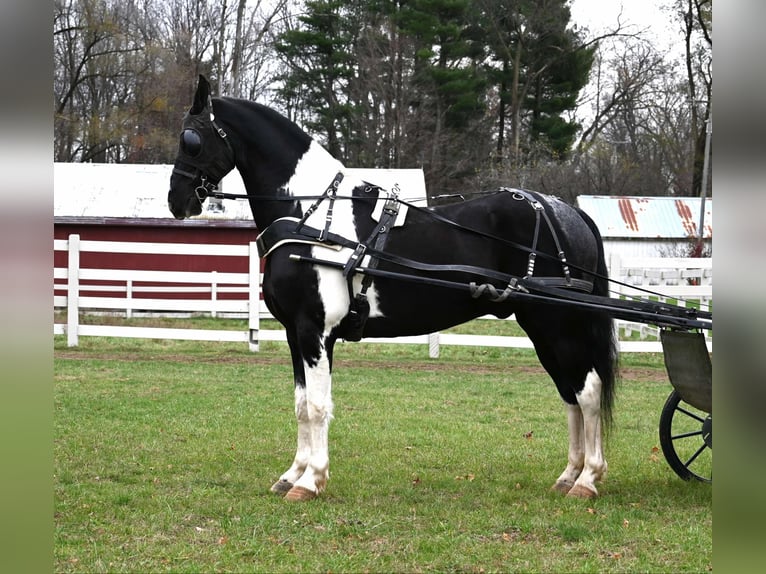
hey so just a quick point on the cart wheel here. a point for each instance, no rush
(686, 437)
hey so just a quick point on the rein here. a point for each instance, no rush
(433, 215)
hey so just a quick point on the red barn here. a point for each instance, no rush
(128, 202)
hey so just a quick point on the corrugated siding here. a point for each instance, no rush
(632, 217)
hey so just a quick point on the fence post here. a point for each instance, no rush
(129, 298)
(213, 293)
(73, 291)
(254, 290)
(433, 345)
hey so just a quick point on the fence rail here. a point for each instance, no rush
(130, 293)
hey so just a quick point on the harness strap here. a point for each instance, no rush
(331, 192)
(286, 230)
(540, 210)
(359, 306)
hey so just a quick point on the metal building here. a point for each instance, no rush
(649, 226)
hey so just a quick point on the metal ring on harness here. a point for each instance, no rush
(204, 189)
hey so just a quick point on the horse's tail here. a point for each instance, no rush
(606, 354)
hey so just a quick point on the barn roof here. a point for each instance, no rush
(631, 217)
(140, 191)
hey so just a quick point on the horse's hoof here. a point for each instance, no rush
(562, 486)
(281, 487)
(580, 491)
(300, 494)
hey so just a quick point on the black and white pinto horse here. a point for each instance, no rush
(321, 229)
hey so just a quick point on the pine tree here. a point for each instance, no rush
(448, 84)
(321, 64)
(538, 69)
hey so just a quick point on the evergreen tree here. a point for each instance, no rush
(556, 92)
(321, 63)
(448, 86)
(559, 69)
(538, 69)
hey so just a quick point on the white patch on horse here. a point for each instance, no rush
(576, 456)
(314, 172)
(313, 409)
(589, 399)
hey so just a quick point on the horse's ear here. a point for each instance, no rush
(201, 96)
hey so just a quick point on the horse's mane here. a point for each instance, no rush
(265, 129)
(245, 110)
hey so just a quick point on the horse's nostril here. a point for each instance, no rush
(175, 212)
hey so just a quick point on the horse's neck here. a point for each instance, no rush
(314, 172)
(298, 167)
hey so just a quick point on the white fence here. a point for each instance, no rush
(670, 276)
(74, 278)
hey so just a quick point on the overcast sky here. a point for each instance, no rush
(600, 15)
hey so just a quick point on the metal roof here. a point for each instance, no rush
(647, 217)
(139, 191)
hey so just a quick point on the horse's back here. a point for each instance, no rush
(499, 230)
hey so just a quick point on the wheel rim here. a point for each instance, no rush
(686, 437)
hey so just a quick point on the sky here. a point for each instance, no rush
(599, 15)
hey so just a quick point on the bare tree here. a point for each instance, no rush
(97, 50)
(696, 16)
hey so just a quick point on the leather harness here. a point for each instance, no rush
(294, 230)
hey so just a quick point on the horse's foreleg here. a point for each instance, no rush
(595, 465)
(576, 458)
(303, 452)
(313, 409)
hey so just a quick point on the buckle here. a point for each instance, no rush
(354, 259)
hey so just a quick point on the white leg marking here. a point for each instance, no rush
(589, 400)
(576, 458)
(317, 410)
(303, 453)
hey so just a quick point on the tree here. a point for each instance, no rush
(697, 17)
(538, 66)
(446, 99)
(555, 90)
(320, 64)
(124, 71)
(645, 117)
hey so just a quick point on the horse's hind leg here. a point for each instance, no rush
(585, 463)
(594, 469)
(565, 351)
(576, 458)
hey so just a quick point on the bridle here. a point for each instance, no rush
(218, 166)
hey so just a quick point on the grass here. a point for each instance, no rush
(165, 451)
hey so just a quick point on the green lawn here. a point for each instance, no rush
(165, 451)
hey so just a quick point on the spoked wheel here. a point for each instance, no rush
(686, 438)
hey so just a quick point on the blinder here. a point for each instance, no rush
(191, 142)
(199, 134)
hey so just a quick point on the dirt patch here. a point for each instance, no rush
(640, 374)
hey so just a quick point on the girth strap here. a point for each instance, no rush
(359, 306)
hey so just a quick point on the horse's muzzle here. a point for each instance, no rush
(182, 210)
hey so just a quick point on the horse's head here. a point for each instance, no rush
(204, 157)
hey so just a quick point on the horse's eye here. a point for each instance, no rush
(191, 143)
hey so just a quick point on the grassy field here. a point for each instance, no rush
(165, 451)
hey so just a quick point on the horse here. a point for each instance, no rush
(347, 259)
